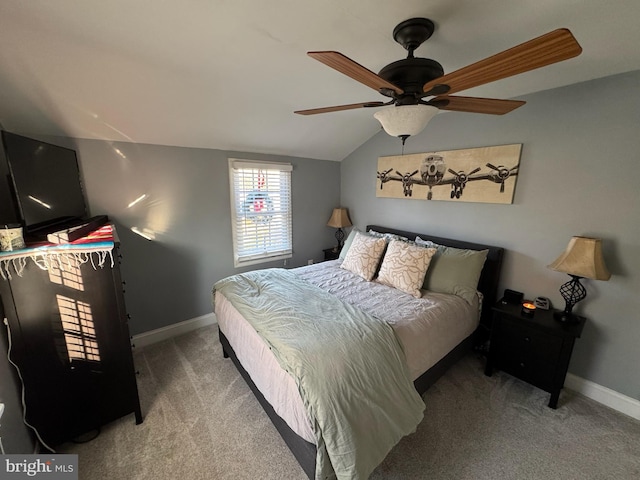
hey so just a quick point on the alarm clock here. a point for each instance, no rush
(542, 302)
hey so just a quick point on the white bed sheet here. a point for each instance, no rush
(428, 328)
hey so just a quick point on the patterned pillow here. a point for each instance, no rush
(364, 255)
(404, 266)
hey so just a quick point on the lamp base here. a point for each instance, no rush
(572, 292)
(565, 317)
(339, 237)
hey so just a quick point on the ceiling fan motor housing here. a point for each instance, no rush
(411, 74)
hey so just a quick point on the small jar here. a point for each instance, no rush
(11, 237)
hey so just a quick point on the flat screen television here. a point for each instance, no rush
(42, 188)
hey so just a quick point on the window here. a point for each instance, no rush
(260, 211)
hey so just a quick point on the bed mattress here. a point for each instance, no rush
(428, 328)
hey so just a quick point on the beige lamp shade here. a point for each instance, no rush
(339, 218)
(582, 258)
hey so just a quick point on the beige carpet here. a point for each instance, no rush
(202, 422)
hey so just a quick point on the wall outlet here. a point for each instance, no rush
(1, 409)
(310, 261)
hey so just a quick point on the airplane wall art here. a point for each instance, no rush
(484, 174)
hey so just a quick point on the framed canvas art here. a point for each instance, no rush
(484, 174)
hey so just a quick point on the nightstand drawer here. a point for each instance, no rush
(538, 374)
(518, 338)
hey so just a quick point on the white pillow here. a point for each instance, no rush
(404, 266)
(364, 255)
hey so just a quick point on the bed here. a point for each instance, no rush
(453, 326)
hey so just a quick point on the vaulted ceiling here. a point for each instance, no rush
(228, 74)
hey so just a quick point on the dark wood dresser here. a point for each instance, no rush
(70, 340)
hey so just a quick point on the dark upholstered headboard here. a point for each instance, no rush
(490, 276)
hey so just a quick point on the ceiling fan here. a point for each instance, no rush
(422, 85)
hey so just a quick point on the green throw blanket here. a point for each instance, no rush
(349, 367)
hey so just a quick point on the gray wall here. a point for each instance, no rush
(579, 175)
(187, 205)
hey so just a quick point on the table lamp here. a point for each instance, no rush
(339, 219)
(581, 259)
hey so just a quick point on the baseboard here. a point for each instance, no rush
(165, 333)
(606, 396)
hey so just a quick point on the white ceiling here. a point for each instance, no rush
(228, 74)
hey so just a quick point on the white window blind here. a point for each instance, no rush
(260, 211)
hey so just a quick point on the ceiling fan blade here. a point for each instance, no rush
(491, 106)
(354, 70)
(338, 108)
(552, 47)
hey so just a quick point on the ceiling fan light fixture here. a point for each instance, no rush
(405, 120)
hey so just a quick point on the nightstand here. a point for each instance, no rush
(536, 349)
(331, 253)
